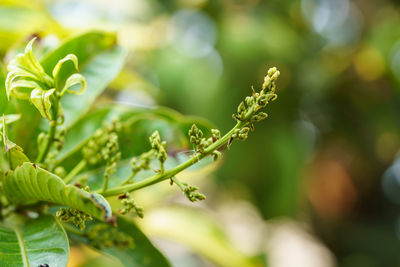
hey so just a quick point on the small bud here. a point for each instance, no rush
(241, 108)
(216, 155)
(259, 117)
(216, 134)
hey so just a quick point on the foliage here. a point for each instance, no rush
(73, 139)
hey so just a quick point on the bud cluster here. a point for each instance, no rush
(106, 236)
(192, 194)
(103, 146)
(128, 205)
(189, 191)
(158, 147)
(74, 216)
(143, 162)
(241, 134)
(200, 143)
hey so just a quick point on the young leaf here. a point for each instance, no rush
(100, 60)
(41, 100)
(143, 254)
(35, 242)
(10, 118)
(30, 182)
(70, 58)
(14, 152)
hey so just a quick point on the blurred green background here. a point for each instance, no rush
(318, 182)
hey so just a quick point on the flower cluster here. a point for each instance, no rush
(189, 191)
(103, 146)
(158, 147)
(201, 143)
(106, 236)
(78, 218)
(128, 205)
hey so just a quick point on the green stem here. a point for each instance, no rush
(77, 169)
(105, 185)
(172, 172)
(48, 142)
(178, 183)
(128, 179)
(50, 135)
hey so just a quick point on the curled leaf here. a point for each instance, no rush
(59, 66)
(41, 99)
(25, 74)
(74, 79)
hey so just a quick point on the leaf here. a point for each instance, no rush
(25, 74)
(100, 60)
(18, 20)
(35, 242)
(3, 94)
(143, 254)
(10, 118)
(59, 68)
(41, 100)
(15, 153)
(197, 230)
(32, 183)
(73, 80)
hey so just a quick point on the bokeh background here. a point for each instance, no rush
(318, 182)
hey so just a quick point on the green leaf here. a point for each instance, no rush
(41, 100)
(25, 74)
(32, 183)
(72, 81)
(34, 242)
(143, 254)
(100, 60)
(15, 153)
(70, 58)
(10, 118)
(197, 230)
(3, 93)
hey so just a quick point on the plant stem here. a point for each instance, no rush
(127, 180)
(105, 185)
(77, 169)
(172, 172)
(48, 142)
(50, 135)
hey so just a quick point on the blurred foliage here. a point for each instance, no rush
(321, 156)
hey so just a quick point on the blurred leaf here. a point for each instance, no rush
(144, 254)
(33, 243)
(19, 20)
(10, 118)
(100, 60)
(14, 152)
(30, 182)
(3, 93)
(199, 231)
